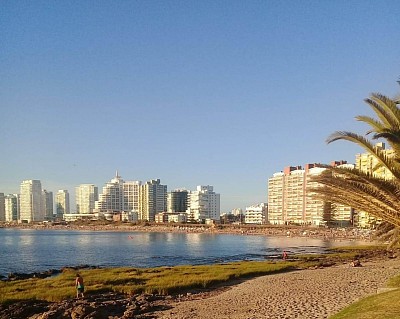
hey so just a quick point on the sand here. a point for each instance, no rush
(312, 293)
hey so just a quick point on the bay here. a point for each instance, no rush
(30, 250)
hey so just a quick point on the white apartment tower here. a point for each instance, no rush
(131, 191)
(86, 196)
(11, 207)
(31, 201)
(153, 199)
(204, 204)
(112, 197)
(2, 208)
(62, 203)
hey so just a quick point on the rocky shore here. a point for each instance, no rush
(107, 306)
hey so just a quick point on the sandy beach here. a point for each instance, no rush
(312, 293)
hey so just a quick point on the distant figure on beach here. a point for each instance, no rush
(356, 263)
(284, 255)
(80, 288)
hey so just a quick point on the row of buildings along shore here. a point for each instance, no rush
(119, 200)
(290, 201)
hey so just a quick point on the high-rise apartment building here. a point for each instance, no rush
(177, 201)
(62, 203)
(2, 208)
(11, 207)
(276, 186)
(153, 199)
(111, 199)
(294, 193)
(119, 196)
(292, 201)
(85, 196)
(131, 196)
(204, 204)
(31, 201)
(47, 204)
(316, 211)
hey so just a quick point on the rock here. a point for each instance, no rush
(99, 306)
(80, 311)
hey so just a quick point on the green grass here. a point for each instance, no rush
(394, 282)
(162, 280)
(383, 306)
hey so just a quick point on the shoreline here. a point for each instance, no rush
(263, 230)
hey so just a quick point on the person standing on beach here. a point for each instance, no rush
(80, 288)
(284, 255)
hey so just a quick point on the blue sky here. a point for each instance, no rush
(221, 93)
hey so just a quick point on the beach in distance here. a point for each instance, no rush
(329, 233)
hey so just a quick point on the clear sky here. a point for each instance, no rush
(221, 93)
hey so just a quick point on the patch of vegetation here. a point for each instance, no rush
(170, 280)
(162, 280)
(382, 306)
(394, 282)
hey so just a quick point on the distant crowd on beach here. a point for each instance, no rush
(267, 230)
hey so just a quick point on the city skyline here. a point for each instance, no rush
(195, 93)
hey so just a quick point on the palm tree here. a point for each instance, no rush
(364, 191)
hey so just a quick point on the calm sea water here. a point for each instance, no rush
(29, 250)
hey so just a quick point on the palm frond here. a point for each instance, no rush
(361, 191)
(385, 109)
(376, 125)
(388, 162)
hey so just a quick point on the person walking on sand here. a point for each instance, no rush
(80, 288)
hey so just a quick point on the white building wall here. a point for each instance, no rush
(11, 207)
(153, 199)
(131, 195)
(2, 208)
(256, 214)
(204, 204)
(86, 196)
(62, 203)
(31, 201)
(314, 208)
(112, 197)
(276, 186)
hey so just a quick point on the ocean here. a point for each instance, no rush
(30, 250)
